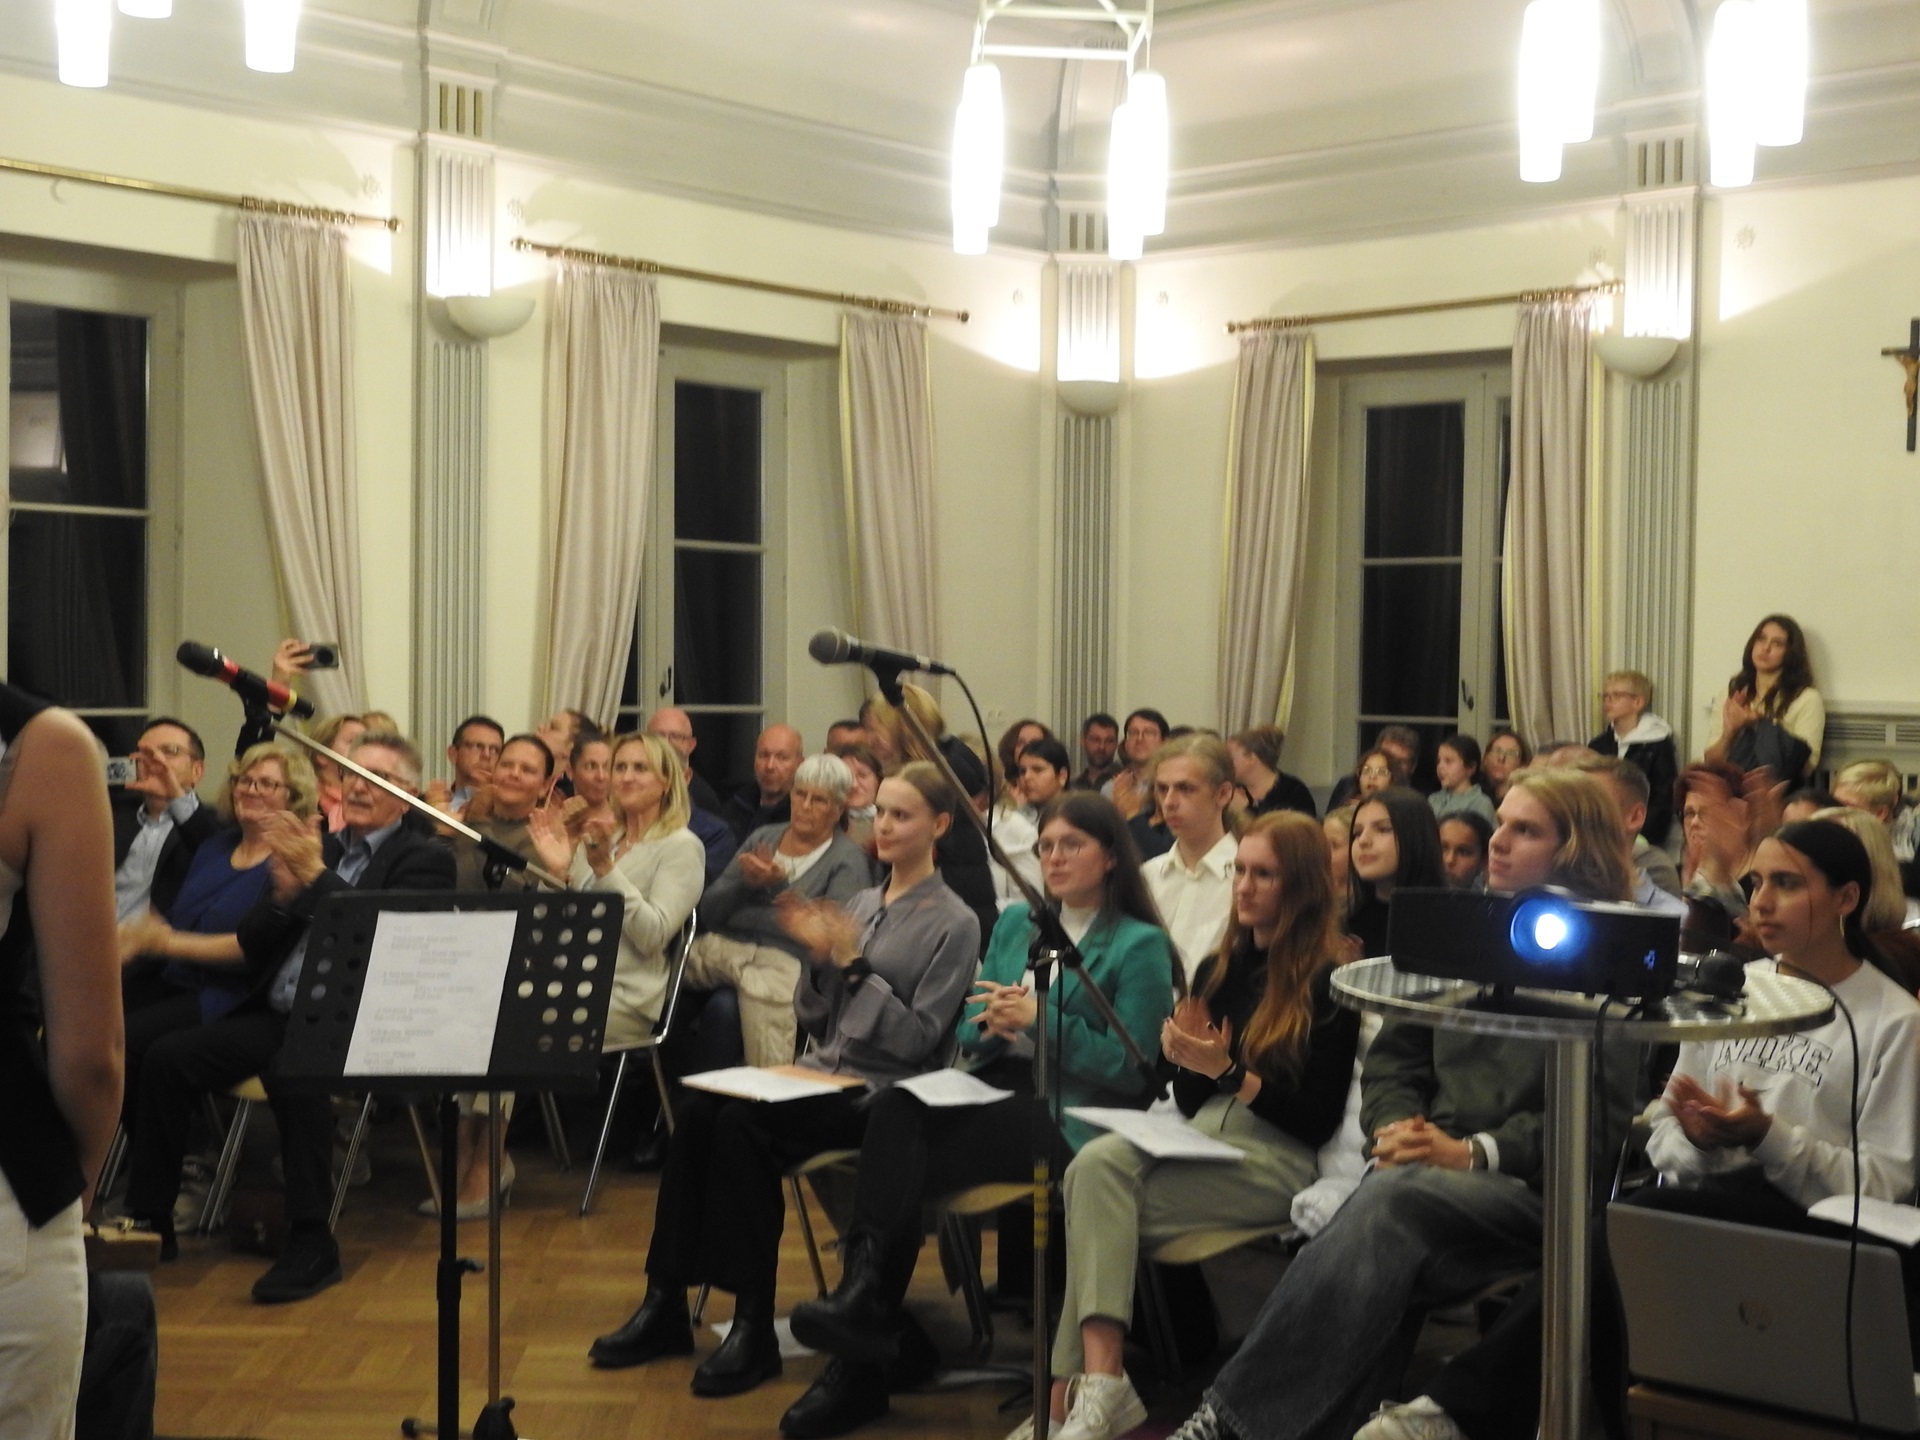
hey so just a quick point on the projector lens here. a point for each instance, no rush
(1546, 928)
(1548, 931)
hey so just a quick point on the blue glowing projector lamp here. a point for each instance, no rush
(1539, 939)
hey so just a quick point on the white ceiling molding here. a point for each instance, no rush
(365, 74)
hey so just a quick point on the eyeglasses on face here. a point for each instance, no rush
(258, 784)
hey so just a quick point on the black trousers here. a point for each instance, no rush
(1492, 1389)
(721, 1207)
(915, 1153)
(187, 1064)
(154, 1009)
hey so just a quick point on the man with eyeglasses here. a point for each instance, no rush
(375, 851)
(675, 726)
(476, 745)
(154, 837)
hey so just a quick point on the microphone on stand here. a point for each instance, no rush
(252, 688)
(836, 647)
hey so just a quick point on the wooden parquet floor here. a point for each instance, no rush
(349, 1363)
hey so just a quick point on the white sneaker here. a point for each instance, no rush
(1101, 1407)
(1418, 1419)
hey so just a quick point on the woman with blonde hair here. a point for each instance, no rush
(647, 856)
(337, 733)
(1885, 915)
(1264, 1060)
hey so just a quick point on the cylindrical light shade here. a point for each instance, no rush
(1126, 208)
(147, 9)
(1781, 99)
(1579, 64)
(1542, 121)
(1147, 94)
(85, 32)
(979, 149)
(1732, 72)
(272, 26)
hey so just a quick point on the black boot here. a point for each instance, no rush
(846, 1396)
(919, 1359)
(749, 1354)
(857, 1321)
(659, 1327)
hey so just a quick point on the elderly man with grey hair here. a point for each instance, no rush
(742, 945)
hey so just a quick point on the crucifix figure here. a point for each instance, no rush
(1909, 359)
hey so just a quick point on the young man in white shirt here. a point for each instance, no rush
(1192, 884)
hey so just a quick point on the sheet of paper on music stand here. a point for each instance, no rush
(944, 1089)
(431, 998)
(749, 1082)
(1165, 1137)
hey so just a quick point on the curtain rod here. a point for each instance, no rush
(654, 267)
(206, 196)
(210, 197)
(1294, 322)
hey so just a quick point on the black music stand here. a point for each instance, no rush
(547, 1034)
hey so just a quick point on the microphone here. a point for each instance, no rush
(836, 647)
(252, 688)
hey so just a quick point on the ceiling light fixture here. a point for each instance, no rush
(84, 30)
(1138, 148)
(272, 26)
(1781, 105)
(1559, 81)
(1733, 68)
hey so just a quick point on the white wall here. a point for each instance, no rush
(1809, 501)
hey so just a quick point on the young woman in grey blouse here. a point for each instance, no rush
(882, 990)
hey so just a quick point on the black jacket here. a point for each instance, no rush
(176, 851)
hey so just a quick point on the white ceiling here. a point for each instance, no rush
(1294, 120)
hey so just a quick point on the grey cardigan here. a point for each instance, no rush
(733, 907)
(895, 1022)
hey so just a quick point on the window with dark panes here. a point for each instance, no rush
(78, 512)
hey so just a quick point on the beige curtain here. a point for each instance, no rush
(1547, 598)
(1266, 524)
(886, 445)
(297, 330)
(603, 360)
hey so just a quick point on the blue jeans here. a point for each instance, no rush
(1333, 1339)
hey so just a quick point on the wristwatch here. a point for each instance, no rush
(1476, 1153)
(1232, 1078)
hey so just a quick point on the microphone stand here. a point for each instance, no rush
(1051, 946)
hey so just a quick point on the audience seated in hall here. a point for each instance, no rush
(1738, 1136)
(1399, 747)
(1877, 787)
(763, 801)
(560, 732)
(158, 820)
(1129, 787)
(1456, 762)
(1773, 717)
(1192, 883)
(1100, 746)
(1635, 733)
(185, 966)
(1505, 755)
(1464, 837)
(884, 979)
(864, 766)
(913, 1153)
(1453, 1201)
(742, 944)
(1262, 1058)
(374, 851)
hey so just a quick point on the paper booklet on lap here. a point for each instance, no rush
(774, 1082)
(1898, 1223)
(944, 1089)
(1165, 1137)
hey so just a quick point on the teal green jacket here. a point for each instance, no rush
(1132, 963)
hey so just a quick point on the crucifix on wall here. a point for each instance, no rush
(1909, 359)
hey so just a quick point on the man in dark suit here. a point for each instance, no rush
(375, 851)
(158, 820)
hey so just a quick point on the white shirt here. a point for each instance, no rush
(794, 866)
(133, 881)
(1195, 903)
(1016, 835)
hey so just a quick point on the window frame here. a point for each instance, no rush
(1483, 385)
(159, 304)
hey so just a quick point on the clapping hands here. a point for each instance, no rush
(1191, 1040)
(1006, 1010)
